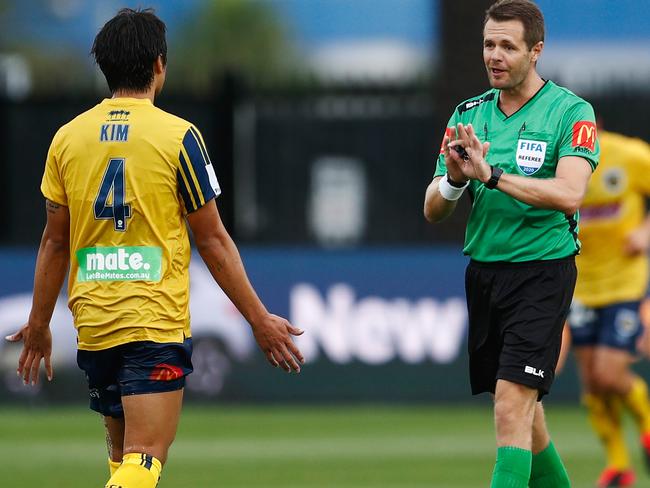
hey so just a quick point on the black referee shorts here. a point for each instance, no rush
(516, 315)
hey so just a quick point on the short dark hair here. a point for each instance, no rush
(524, 11)
(127, 46)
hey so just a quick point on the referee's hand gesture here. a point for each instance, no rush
(473, 165)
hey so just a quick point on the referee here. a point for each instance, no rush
(524, 151)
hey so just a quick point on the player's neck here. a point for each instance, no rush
(512, 99)
(150, 94)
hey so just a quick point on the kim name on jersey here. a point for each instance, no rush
(114, 131)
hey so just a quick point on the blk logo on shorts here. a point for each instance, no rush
(534, 371)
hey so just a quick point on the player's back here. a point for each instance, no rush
(128, 172)
(613, 207)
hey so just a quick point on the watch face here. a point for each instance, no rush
(494, 177)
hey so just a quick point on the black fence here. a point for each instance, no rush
(328, 166)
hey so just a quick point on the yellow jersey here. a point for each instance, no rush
(128, 173)
(613, 206)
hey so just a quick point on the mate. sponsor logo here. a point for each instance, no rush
(131, 263)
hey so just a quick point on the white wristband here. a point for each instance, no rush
(449, 192)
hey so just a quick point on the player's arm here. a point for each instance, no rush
(643, 343)
(273, 333)
(638, 240)
(51, 267)
(564, 192)
(638, 157)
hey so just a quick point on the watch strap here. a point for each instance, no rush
(494, 177)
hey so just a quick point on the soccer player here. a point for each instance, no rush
(121, 180)
(612, 280)
(524, 150)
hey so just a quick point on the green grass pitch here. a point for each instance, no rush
(292, 447)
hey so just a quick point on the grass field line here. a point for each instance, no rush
(281, 448)
(295, 447)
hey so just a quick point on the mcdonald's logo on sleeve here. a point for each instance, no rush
(447, 134)
(584, 135)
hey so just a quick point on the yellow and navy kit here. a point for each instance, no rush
(129, 172)
(613, 207)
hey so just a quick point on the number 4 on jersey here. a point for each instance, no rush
(113, 184)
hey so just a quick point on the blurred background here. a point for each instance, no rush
(323, 119)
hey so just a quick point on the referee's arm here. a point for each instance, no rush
(564, 192)
(436, 208)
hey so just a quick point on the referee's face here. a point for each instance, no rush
(507, 58)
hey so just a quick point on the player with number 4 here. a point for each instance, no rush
(120, 182)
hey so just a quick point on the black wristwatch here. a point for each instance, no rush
(494, 177)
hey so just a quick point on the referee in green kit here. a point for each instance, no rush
(524, 151)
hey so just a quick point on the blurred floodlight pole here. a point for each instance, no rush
(460, 73)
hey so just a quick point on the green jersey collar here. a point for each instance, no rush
(537, 94)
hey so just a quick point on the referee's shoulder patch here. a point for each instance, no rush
(469, 105)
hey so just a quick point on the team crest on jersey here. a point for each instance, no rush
(530, 155)
(614, 181)
(118, 116)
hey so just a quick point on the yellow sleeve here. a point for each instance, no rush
(197, 181)
(52, 183)
(639, 161)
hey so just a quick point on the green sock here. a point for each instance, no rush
(548, 471)
(512, 469)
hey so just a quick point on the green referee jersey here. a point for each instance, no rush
(553, 124)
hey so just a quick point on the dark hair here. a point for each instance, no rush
(524, 11)
(127, 46)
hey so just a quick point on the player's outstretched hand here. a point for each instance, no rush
(643, 342)
(273, 335)
(37, 346)
(638, 241)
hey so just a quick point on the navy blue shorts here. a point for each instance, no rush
(134, 368)
(617, 326)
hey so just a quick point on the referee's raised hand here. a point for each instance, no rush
(453, 168)
(473, 165)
